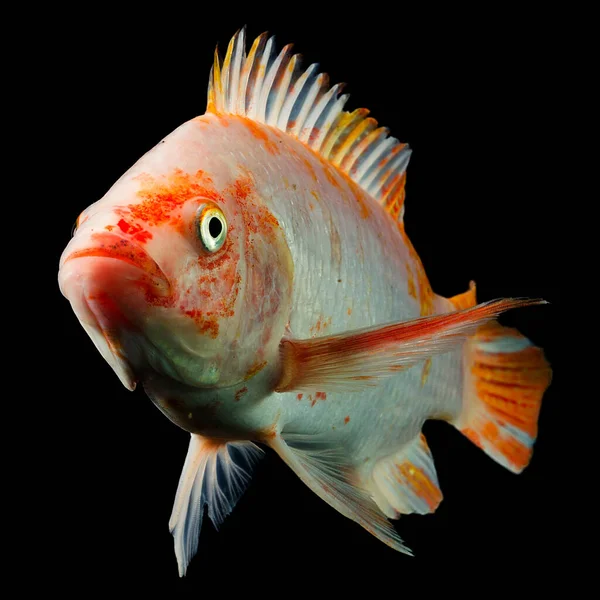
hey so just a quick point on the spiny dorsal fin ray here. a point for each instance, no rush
(271, 88)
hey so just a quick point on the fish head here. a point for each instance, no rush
(173, 275)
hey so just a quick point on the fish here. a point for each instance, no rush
(253, 273)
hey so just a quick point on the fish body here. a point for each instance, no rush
(299, 314)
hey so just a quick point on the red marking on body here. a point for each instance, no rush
(137, 233)
(254, 369)
(349, 311)
(161, 198)
(205, 320)
(240, 393)
(300, 396)
(224, 120)
(410, 282)
(335, 176)
(311, 171)
(265, 280)
(318, 396)
(260, 132)
(268, 434)
(330, 174)
(346, 420)
(321, 325)
(426, 369)
(425, 293)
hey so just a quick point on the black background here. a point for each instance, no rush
(473, 93)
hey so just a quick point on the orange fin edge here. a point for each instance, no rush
(506, 377)
(467, 299)
(407, 482)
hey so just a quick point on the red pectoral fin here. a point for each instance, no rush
(353, 360)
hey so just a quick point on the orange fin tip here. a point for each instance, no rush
(466, 299)
(271, 88)
(407, 481)
(506, 377)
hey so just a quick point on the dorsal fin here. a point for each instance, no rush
(271, 88)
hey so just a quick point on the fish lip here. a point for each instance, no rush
(111, 245)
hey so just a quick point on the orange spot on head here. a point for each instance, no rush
(161, 198)
(349, 311)
(262, 134)
(346, 420)
(300, 396)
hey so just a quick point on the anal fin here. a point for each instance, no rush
(407, 481)
(322, 467)
(215, 473)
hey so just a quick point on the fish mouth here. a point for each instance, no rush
(93, 278)
(109, 245)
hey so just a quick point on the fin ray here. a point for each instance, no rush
(214, 474)
(323, 468)
(357, 359)
(407, 481)
(506, 377)
(276, 92)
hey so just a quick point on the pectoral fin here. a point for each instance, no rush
(354, 360)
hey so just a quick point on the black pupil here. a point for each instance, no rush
(215, 227)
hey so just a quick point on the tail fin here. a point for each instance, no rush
(505, 377)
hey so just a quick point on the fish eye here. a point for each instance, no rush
(211, 227)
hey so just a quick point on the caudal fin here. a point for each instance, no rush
(504, 381)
